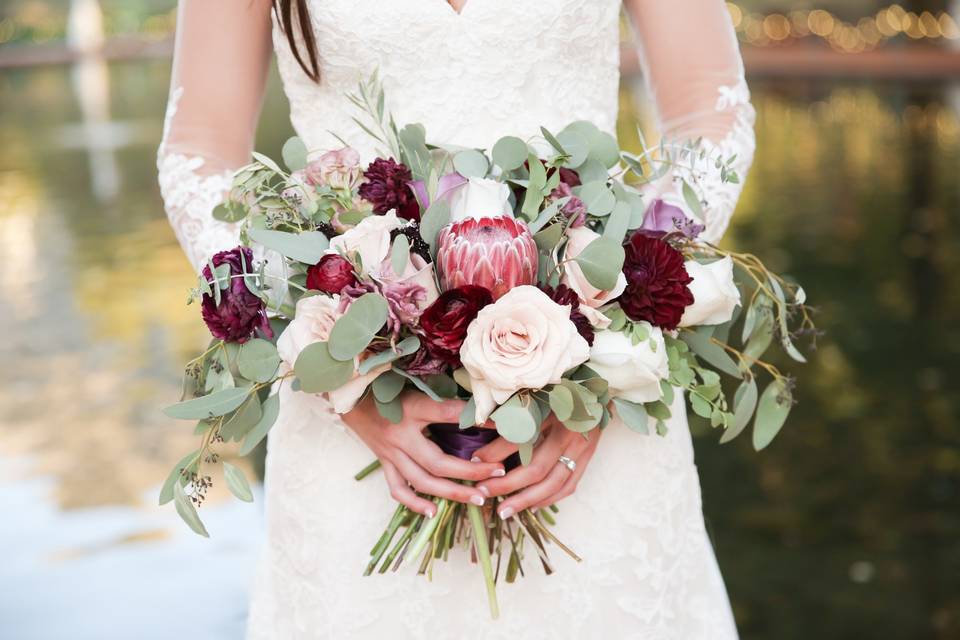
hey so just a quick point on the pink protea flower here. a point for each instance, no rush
(497, 253)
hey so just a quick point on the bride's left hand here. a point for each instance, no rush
(545, 480)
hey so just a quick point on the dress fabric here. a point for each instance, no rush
(501, 67)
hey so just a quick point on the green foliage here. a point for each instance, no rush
(210, 406)
(601, 262)
(354, 330)
(237, 482)
(318, 371)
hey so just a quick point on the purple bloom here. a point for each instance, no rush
(240, 312)
(574, 209)
(663, 218)
(446, 187)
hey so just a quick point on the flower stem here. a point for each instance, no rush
(482, 546)
(426, 531)
(367, 470)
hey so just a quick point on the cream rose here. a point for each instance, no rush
(370, 239)
(313, 322)
(478, 198)
(633, 371)
(577, 240)
(715, 295)
(524, 340)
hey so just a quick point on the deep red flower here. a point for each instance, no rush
(331, 274)
(444, 323)
(565, 295)
(240, 312)
(387, 187)
(657, 280)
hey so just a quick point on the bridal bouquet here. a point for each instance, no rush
(530, 279)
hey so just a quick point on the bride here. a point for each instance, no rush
(471, 71)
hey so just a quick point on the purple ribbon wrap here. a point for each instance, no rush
(463, 443)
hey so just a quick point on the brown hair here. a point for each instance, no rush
(294, 18)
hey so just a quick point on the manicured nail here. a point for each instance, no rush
(429, 513)
(477, 500)
(484, 490)
(475, 459)
(498, 473)
(506, 512)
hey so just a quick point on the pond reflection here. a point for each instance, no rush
(846, 527)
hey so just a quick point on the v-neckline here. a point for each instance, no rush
(457, 12)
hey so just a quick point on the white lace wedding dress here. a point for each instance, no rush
(500, 67)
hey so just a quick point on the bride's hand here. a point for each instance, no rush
(545, 480)
(410, 457)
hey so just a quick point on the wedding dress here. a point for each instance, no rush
(499, 67)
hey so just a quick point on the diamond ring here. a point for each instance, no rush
(569, 463)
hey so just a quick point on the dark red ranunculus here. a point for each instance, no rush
(331, 274)
(444, 323)
(239, 313)
(388, 187)
(657, 280)
(565, 295)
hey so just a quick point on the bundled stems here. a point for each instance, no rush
(482, 547)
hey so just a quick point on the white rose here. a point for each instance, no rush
(479, 198)
(577, 240)
(314, 319)
(370, 239)
(714, 293)
(524, 340)
(633, 371)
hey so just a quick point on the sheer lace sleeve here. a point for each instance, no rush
(693, 69)
(220, 64)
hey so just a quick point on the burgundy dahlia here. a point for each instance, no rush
(239, 313)
(444, 323)
(495, 253)
(564, 295)
(657, 280)
(387, 187)
(331, 274)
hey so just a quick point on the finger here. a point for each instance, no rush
(428, 455)
(431, 485)
(402, 493)
(570, 486)
(498, 450)
(535, 493)
(544, 457)
(422, 409)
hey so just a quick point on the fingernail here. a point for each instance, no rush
(477, 500)
(506, 512)
(429, 513)
(498, 473)
(484, 490)
(475, 459)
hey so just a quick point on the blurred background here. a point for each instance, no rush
(847, 527)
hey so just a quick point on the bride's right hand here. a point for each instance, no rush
(410, 459)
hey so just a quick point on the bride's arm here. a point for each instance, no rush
(221, 58)
(692, 67)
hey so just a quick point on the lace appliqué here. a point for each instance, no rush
(189, 197)
(718, 198)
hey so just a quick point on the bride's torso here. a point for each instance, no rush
(501, 67)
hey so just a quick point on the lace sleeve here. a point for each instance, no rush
(220, 64)
(693, 69)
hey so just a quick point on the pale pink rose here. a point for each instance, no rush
(577, 240)
(524, 340)
(314, 319)
(338, 169)
(369, 240)
(417, 272)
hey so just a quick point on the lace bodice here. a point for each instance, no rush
(498, 67)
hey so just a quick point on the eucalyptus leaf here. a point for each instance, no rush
(744, 404)
(243, 420)
(270, 410)
(561, 402)
(392, 410)
(693, 201)
(307, 247)
(318, 371)
(187, 512)
(400, 255)
(772, 411)
(633, 415)
(618, 222)
(435, 218)
(470, 163)
(388, 386)
(576, 146)
(510, 153)
(468, 417)
(604, 149)
(294, 153)
(515, 422)
(258, 360)
(210, 406)
(711, 352)
(186, 465)
(421, 385)
(601, 262)
(237, 482)
(353, 331)
(597, 197)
